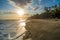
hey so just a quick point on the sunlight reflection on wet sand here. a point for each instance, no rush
(21, 28)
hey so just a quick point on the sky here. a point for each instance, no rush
(4, 5)
(33, 6)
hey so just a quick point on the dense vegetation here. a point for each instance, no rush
(50, 12)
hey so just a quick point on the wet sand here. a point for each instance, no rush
(39, 29)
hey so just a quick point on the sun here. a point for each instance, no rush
(20, 12)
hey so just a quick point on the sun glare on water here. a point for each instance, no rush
(23, 23)
(21, 12)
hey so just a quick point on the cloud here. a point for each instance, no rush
(20, 3)
(36, 4)
(29, 5)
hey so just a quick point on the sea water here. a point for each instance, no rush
(10, 29)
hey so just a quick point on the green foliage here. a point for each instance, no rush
(50, 12)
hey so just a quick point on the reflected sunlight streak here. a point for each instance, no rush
(22, 23)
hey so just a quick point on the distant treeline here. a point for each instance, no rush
(50, 12)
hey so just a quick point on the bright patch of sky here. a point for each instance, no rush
(35, 7)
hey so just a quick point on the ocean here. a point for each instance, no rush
(10, 29)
